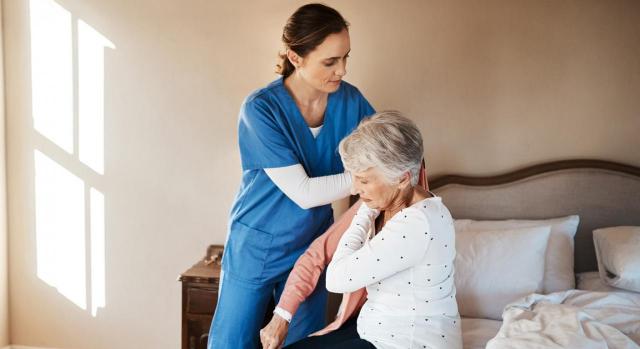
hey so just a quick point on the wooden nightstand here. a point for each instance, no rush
(200, 285)
(199, 298)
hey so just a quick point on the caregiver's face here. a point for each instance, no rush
(325, 66)
(374, 189)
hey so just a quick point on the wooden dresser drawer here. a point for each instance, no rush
(201, 301)
(200, 285)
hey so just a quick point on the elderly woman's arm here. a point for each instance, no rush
(359, 262)
(304, 278)
(310, 265)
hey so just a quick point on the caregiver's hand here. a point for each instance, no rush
(272, 336)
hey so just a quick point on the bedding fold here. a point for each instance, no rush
(571, 319)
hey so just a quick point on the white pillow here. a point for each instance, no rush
(618, 253)
(494, 268)
(558, 272)
(591, 281)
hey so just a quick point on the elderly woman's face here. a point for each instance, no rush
(374, 189)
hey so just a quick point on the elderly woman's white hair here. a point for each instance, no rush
(387, 141)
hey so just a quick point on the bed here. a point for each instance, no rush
(601, 193)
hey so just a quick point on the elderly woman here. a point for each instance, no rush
(399, 246)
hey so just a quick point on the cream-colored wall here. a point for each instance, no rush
(4, 259)
(494, 85)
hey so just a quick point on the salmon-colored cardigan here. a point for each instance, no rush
(308, 268)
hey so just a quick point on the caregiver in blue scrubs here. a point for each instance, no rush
(291, 172)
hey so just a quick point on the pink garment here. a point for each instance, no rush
(308, 268)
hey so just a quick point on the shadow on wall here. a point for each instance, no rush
(67, 86)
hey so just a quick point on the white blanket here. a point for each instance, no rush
(571, 319)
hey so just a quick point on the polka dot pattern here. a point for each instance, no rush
(406, 269)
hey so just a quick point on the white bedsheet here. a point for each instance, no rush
(571, 319)
(477, 332)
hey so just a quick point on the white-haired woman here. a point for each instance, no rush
(400, 246)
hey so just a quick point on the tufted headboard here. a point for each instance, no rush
(602, 193)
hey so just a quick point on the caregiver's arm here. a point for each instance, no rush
(308, 192)
(304, 278)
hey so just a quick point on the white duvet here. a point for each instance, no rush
(571, 319)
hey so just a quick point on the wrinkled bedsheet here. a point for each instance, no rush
(571, 319)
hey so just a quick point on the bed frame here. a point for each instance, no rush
(602, 193)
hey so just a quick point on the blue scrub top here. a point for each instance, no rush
(267, 230)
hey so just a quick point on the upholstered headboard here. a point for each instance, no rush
(602, 193)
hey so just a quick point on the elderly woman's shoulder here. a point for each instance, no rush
(421, 210)
(420, 219)
(409, 216)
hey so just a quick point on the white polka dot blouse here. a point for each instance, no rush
(407, 269)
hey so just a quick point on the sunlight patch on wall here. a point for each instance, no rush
(91, 45)
(60, 229)
(68, 110)
(98, 299)
(52, 72)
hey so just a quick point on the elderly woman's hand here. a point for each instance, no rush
(272, 336)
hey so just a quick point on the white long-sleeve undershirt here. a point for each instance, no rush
(308, 192)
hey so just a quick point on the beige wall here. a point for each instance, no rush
(4, 259)
(4, 271)
(494, 85)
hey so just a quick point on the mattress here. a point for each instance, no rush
(477, 332)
